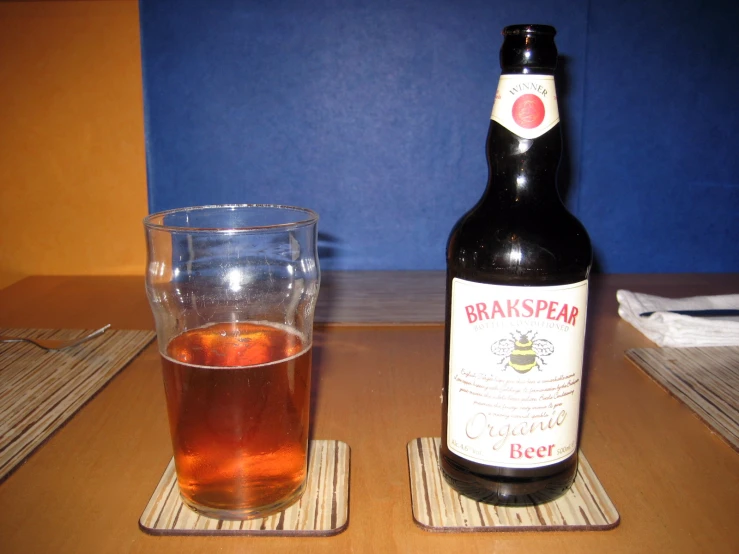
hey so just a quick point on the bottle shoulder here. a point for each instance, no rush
(519, 245)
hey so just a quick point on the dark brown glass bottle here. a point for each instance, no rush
(517, 270)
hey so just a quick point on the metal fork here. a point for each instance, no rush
(54, 344)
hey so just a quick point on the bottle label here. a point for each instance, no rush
(526, 104)
(515, 366)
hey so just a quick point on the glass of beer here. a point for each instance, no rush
(233, 290)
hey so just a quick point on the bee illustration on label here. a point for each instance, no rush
(521, 352)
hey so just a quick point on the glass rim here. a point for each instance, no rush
(310, 218)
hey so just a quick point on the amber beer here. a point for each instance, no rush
(238, 398)
(233, 291)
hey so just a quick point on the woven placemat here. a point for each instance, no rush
(40, 391)
(322, 510)
(438, 507)
(705, 379)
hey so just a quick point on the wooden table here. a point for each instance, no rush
(675, 484)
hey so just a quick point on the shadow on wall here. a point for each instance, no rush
(567, 175)
(328, 246)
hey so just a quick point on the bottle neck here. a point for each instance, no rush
(524, 143)
(522, 171)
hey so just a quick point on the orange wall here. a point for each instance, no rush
(72, 169)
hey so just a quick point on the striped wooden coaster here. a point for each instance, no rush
(322, 510)
(40, 391)
(438, 507)
(706, 379)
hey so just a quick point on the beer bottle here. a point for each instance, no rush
(517, 280)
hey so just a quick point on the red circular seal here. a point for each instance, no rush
(528, 111)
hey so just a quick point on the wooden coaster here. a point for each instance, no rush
(438, 507)
(706, 379)
(40, 391)
(322, 510)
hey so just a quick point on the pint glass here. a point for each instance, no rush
(233, 290)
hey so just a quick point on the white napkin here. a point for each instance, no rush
(667, 329)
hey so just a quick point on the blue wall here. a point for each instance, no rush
(375, 114)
